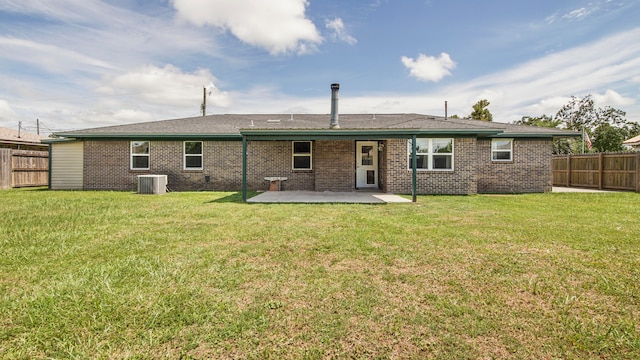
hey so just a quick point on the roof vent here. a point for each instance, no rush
(273, 121)
(334, 107)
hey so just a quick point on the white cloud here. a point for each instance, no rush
(338, 32)
(6, 112)
(578, 14)
(94, 33)
(166, 86)
(575, 14)
(131, 115)
(429, 68)
(277, 26)
(50, 57)
(577, 71)
(611, 98)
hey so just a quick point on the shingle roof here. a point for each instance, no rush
(10, 135)
(634, 141)
(233, 124)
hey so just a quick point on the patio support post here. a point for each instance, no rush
(49, 173)
(244, 168)
(414, 166)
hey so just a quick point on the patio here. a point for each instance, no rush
(308, 197)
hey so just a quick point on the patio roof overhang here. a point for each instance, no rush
(353, 134)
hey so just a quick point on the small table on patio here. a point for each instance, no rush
(275, 182)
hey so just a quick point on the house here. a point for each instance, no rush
(393, 153)
(22, 140)
(633, 143)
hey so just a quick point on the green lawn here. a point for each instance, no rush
(202, 275)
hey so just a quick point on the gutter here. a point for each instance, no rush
(76, 136)
(538, 135)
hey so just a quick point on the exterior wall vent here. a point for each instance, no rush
(152, 184)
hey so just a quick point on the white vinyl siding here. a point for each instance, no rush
(67, 166)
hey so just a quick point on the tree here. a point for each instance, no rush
(543, 121)
(577, 114)
(608, 138)
(607, 127)
(560, 146)
(480, 111)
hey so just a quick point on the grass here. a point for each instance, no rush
(202, 275)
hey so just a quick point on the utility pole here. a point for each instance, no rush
(38, 126)
(19, 128)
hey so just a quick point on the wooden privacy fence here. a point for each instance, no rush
(20, 168)
(615, 171)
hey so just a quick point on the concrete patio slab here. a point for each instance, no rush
(562, 189)
(326, 197)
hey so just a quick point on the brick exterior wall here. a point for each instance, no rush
(530, 170)
(461, 181)
(106, 167)
(334, 165)
(274, 158)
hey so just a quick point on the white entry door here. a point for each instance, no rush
(366, 164)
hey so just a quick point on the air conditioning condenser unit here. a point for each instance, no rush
(152, 184)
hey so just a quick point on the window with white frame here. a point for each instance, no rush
(301, 155)
(432, 154)
(502, 149)
(139, 155)
(193, 155)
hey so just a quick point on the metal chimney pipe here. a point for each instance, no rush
(446, 110)
(334, 107)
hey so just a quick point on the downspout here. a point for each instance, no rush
(244, 168)
(414, 166)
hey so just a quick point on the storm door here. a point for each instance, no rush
(366, 164)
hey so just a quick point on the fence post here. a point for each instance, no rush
(600, 171)
(5, 169)
(568, 170)
(638, 172)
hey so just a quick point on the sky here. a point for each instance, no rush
(77, 64)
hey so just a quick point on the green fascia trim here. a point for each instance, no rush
(536, 135)
(226, 137)
(57, 140)
(359, 134)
